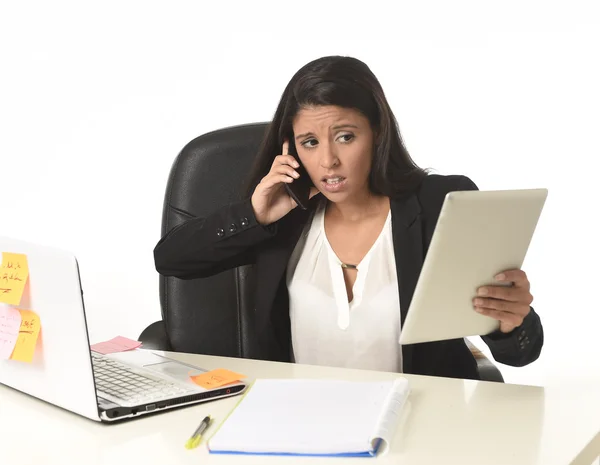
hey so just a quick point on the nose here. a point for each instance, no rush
(329, 158)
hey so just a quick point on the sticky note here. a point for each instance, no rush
(14, 271)
(10, 323)
(216, 378)
(116, 344)
(28, 336)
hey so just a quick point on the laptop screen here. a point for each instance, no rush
(60, 369)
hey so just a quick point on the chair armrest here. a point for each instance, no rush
(155, 337)
(487, 370)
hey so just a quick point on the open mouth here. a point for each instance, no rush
(335, 180)
(333, 184)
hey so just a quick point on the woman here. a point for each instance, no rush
(334, 281)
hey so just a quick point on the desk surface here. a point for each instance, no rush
(448, 421)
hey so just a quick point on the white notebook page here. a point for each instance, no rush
(310, 417)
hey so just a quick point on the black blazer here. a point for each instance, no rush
(231, 237)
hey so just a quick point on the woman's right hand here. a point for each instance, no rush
(270, 200)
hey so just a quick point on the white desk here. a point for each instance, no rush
(450, 421)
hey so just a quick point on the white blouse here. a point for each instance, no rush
(327, 329)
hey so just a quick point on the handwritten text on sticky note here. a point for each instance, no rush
(116, 344)
(28, 336)
(10, 322)
(216, 378)
(14, 271)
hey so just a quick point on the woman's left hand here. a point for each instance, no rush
(509, 305)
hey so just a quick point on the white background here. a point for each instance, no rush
(96, 100)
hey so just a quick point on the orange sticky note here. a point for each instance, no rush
(13, 276)
(28, 336)
(216, 378)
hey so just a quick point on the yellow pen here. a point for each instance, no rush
(197, 436)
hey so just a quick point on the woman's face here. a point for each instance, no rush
(335, 145)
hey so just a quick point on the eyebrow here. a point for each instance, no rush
(335, 128)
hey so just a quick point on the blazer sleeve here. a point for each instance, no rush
(202, 247)
(522, 345)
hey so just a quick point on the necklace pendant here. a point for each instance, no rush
(350, 267)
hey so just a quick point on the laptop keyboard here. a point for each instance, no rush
(119, 383)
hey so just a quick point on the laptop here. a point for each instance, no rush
(478, 235)
(65, 372)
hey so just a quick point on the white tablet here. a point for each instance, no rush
(478, 235)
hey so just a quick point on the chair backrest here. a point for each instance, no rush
(210, 315)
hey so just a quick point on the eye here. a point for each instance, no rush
(307, 144)
(345, 138)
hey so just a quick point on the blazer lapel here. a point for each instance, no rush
(274, 259)
(287, 237)
(408, 252)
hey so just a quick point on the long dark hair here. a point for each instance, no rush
(349, 83)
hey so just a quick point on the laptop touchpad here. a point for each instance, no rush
(175, 370)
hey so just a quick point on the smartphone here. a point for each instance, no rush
(299, 189)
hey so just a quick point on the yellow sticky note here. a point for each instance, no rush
(28, 336)
(13, 276)
(216, 378)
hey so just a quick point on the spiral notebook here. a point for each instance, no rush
(313, 417)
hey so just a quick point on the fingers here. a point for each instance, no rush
(517, 308)
(510, 319)
(284, 164)
(511, 294)
(285, 157)
(518, 277)
(275, 178)
(285, 160)
(278, 178)
(285, 169)
(282, 169)
(509, 305)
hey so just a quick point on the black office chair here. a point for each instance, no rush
(214, 315)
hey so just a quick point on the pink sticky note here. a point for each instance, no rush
(10, 323)
(116, 344)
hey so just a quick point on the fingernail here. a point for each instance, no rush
(482, 291)
(478, 302)
(478, 310)
(296, 165)
(500, 277)
(296, 175)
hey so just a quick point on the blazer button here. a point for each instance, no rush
(232, 228)
(220, 232)
(245, 222)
